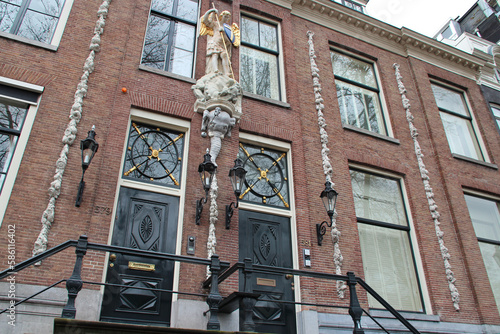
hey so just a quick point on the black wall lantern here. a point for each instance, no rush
(89, 147)
(237, 177)
(329, 198)
(206, 170)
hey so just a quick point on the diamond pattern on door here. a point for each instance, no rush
(265, 245)
(134, 298)
(146, 226)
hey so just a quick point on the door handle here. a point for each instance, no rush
(288, 276)
(112, 259)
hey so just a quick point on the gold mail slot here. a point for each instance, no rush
(141, 266)
(266, 281)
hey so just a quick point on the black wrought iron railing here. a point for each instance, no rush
(219, 272)
(247, 268)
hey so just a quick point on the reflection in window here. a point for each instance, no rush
(12, 116)
(170, 37)
(384, 236)
(33, 19)
(457, 122)
(485, 216)
(496, 114)
(357, 93)
(259, 72)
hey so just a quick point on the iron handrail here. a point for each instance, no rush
(284, 271)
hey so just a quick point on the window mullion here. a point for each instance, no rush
(20, 16)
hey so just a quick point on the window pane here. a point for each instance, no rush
(155, 45)
(154, 155)
(268, 37)
(50, 7)
(259, 73)
(485, 216)
(270, 189)
(449, 100)
(188, 9)
(12, 115)
(353, 69)
(181, 62)
(7, 16)
(249, 30)
(389, 268)
(491, 257)
(495, 111)
(460, 135)
(164, 6)
(359, 107)
(184, 36)
(378, 198)
(38, 27)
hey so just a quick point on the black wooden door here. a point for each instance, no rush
(266, 239)
(145, 221)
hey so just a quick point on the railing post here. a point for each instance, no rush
(214, 298)
(247, 303)
(74, 283)
(355, 310)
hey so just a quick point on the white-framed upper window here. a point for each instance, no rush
(495, 109)
(485, 215)
(260, 58)
(358, 92)
(169, 44)
(18, 107)
(457, 122)
(40, 21)
(385, 236)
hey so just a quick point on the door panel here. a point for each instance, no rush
(146, 221)
(266, 240)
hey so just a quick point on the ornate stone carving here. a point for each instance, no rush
(71, 131)
(219, 124)
(327, 167)
(424, 173)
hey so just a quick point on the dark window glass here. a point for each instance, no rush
(170, 36)
(33, 19)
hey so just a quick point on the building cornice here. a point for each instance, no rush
(402, 41)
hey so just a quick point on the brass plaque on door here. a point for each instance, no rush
(266, 281)
(141, 266)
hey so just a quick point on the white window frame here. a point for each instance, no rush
(472, 119)
(18, 154)
(496, 115)
(494, 199)
(381, 97)
(195, 47)
(164, 121)
(419, 268)
(56, 38)
(289, 213)
(281, 65)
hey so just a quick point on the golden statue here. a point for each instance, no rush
(220, 36)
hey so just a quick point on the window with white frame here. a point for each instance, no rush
(171, 35)
(457, 122)
(17, 114)
(485, 216)
(495, 109)
(36, 20)
(259, 58)
(384, 235)
(358, 93)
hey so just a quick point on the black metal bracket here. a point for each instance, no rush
(79, 195)
(321, 230)
(229, 213)
(199, 209)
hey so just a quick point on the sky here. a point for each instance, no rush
(423, 16)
